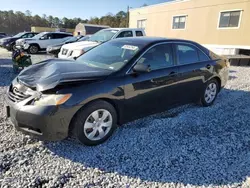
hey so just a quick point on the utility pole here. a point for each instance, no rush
(128, 16)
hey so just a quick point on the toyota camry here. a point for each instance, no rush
(114, 83)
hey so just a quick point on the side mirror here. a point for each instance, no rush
(42, 38)
(139, 67)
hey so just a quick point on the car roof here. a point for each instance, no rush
(119, 29)
(149, 40)
(57, 32)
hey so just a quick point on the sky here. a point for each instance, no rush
(73, 8)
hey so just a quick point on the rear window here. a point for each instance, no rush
(214, 56)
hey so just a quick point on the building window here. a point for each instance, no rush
(179, 22)
(141, 24)
(230, 19)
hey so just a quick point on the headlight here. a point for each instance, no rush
(6, 40)
(55, 48)
(77, 53)
(52, 100)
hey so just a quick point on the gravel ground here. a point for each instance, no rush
(189, 146)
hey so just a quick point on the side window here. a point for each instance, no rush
(158, 57)
(186, 54)
(57, 36)
(138, 33)
(30, 35)
(125, 34)
(202, 56)
(25, 36)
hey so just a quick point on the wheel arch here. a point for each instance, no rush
(110, 101)
(217, 78)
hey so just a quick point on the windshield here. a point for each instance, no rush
(111, 55)
(38, 36)
(83, 38)
(72, 39)
(103, 35)
(18, 35)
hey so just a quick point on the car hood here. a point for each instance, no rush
(79, 45)
(50, 73)
(30, 39)
(9, 38)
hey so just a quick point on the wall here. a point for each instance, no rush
(49, 29)
(201, 24)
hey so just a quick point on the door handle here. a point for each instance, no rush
(208, 66)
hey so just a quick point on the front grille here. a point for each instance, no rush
(64, 51)
(16, 96)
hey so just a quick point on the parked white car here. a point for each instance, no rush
(69, 51)
(41, 41)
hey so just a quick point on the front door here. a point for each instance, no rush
(154, 91)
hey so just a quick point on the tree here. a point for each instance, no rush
(14, 22)
(28, 13)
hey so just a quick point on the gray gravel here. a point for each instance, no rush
(189, 146)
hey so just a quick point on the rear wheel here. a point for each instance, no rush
(210, 93)
(33, 49)
(95, 123)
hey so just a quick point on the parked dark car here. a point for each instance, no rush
(55, 49)
(2, 35)
(114, 83)
(9, 42)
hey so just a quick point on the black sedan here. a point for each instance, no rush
(10, 42)
(114, 83)
(55, 49)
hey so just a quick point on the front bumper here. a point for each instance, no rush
(44, 122)
(26, 46)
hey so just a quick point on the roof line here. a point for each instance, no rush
(94, 25)
(161, 4)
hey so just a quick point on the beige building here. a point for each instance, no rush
(88, 29)
(221, 25)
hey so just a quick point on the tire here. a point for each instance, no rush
(13, 47)
(210, 93)
(33, 49)
(87, 130)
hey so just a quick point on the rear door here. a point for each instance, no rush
(194, 67)
(153, 91)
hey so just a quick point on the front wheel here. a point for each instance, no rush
(95, 123)
(33, 49)
(210, 93)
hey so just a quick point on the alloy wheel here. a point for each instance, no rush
(33, 49)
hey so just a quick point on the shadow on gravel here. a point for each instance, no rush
(189, 145)
(6, 72)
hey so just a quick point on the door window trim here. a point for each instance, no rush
(175, 59)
